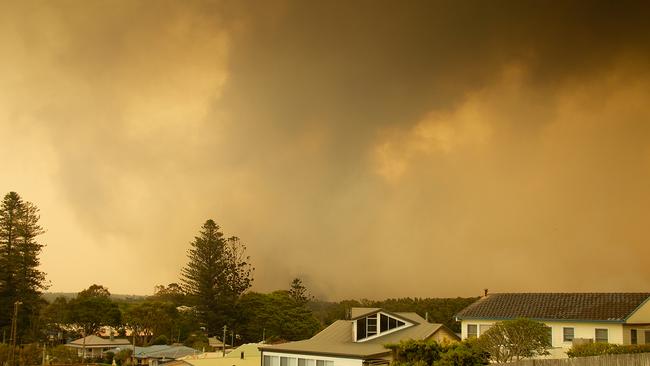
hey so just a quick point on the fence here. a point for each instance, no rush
(632, 359)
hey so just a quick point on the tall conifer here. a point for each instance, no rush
(217, 273)
(20, 278)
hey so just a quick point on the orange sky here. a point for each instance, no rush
(374, 149)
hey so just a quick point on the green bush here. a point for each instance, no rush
(63, 355)
(160, 340)
(432, 353)
(597, 349)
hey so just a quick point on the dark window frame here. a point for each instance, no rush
(601, 339)
(566, 337)
(473, 334)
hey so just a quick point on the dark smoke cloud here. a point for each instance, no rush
(373, 148)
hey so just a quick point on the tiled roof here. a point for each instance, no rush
(615, 307)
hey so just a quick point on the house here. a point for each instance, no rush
(244, 355)
(159, 354)
(94, 346)
(216, 344)
(356, 342)
(619, 318)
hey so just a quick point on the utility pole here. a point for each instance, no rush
(133, 355)
(224, 340)
(14, 333)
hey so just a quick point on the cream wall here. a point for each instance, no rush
(640, 334)
(615, 333)
(338, 361)
(641, 315)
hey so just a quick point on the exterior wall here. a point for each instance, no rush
(641, 315)
(640, 334)
(443, 335)
(338, 361)
(615, 333)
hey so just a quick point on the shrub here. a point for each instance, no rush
(160, 340)
(63, 355)
(597, 349)
(432, 353)
(123, 357)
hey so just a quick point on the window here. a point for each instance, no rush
(601, 335)
(483, 328)
(633, 339)
(271, 361)
(361, 328)
(549, 330)
(287, 361)
(371, 325)
(568, 334)
(647, 337)
(374, 324)
(306, 362)
(471, 331)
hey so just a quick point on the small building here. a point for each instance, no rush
(217, 345)
(93, 346)
(244, 355)
(356, 342)
(619, 318)
(159, 354)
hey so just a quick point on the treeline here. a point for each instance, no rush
(212, 295)
(171, 316)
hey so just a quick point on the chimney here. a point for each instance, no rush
(426, 316)
(485, 292)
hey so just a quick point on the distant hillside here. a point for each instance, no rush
(50, 296)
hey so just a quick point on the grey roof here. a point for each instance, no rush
(359, 312)
(96, 341)
(609, 307)
(160, 351)
(336, 340)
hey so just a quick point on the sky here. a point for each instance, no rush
(373, 149)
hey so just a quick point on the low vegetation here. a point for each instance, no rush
(432, 353)
(597, 349)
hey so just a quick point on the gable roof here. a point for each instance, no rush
(337, 339)
(95, 341)
(600, 307)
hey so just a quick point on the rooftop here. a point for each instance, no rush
(609, 307)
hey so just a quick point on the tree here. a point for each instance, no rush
(151, 319)
(275, 316)
(516, 339)
(92, 309)
(95, 291)
(298, 292)
(171, 293)
(218, 272)
(20, 279)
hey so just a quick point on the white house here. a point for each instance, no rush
(356, 342)
(93, 346)
(619, 318)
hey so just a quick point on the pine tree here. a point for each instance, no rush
(217, 274)
(20, 278)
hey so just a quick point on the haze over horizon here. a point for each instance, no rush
(372, 148)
